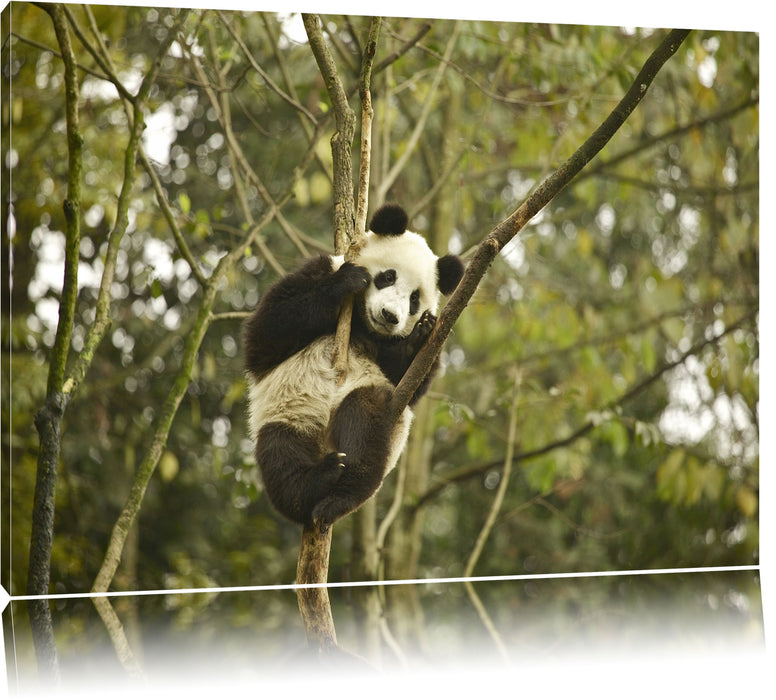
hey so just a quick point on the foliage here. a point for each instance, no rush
(629, 305)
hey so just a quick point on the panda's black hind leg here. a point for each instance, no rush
(295, 476)
(361, 430)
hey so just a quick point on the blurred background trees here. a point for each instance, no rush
(629, 306)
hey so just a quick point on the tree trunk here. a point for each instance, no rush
(313, 570)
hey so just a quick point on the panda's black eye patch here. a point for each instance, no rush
(414, 302)
(386, 278)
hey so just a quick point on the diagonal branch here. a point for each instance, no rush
(676, 132)
(298, 106)
(487, 251)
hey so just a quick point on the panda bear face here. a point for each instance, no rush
(407, 276)
(404, 283)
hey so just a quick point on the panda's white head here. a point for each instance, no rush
(407, 276)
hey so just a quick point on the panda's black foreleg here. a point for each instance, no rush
(361, 430)
(295, 476)
(396, 355)
(296, 310)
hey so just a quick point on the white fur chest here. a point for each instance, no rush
(303, 391)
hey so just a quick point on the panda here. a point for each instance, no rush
(323, 448)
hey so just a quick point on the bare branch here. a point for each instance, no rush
(220, 103)
(102, 311)
(342, 335)
(48, 420)
(412, 142)
(264, 76)
(164, 205)
(424, 29)
(367, 113)
(490, 520)
(100, 57)
(503, 483)
(510, 227)
(645, 144)
(342, 141)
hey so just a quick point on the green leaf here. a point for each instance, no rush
(746, 500)
(184, 203)
(168, 466)
(648, 355)
(669, 477)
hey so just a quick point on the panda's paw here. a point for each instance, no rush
(334, 461)
(421, 332)
(324, 514)
(330, 469)
(351, 278)
(425, 324)
(321, 525)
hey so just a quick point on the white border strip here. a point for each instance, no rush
(400, 582)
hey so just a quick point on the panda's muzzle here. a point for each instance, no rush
(389, 317)
(385, 322)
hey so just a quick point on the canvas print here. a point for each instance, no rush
(374, 344)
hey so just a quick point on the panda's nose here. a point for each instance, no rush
(390, 317)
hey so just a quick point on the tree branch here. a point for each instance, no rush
(490, 521)
(367, 113)
(193, 342)
(398, 166)
(645, 144)
(510, 227)
(102, 310)
(298, 106)
(349, 237)
(48, 421)
(342, 335)
(342, 141)
(423, 29)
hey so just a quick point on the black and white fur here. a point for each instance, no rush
(324, 448)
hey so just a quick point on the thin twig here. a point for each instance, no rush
(299, 107)
(490, 521)
(414, 138)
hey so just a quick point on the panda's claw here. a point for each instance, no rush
(321, 525)
(428, 319)
(420, 333)
(335, 460)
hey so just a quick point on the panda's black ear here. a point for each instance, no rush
(450, 269)
(389, 220)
